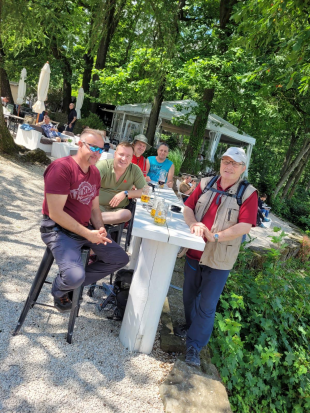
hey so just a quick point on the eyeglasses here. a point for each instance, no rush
(94, 148)
(234, 164)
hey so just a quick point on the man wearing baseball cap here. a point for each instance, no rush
(216, 213)
(140, 145)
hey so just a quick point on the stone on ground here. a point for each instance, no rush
(188, 390)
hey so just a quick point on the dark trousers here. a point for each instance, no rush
(67, 254)
(201, 291)
(68, 129)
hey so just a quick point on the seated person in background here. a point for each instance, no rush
(118, 176)
(140, 145)
(5, 100)
(185, 188)
(261, 201)
(50, 130)
(156, 164)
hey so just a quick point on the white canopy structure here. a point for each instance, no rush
(132, 118)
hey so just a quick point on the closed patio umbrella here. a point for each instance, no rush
(43, 85)
(79, 102)
(21, 89)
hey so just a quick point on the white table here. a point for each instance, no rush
(153, 256)
(107, 155)
(61, 149)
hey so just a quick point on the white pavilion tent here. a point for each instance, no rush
(132, 118)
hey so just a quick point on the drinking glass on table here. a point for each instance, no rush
(154, 206)
(146, 194)
(162, 178)
(161, 213)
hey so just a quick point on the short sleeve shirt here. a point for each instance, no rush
(247, 213)
(47, 130)
(72, 115)
(65, 177)
(110, 187)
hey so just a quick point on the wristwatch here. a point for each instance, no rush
(216, 237)
(126, 193)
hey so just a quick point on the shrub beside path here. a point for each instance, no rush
(40, 372)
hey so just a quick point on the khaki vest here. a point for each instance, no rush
(221, 255)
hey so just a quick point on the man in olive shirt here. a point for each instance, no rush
(118, 176)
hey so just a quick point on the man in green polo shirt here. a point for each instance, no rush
(118, 177)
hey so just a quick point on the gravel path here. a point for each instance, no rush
(39, 371)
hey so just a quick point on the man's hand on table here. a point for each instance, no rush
(117, 199)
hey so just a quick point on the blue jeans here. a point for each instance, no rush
(67, 254)
(201, 291)
(265, 212)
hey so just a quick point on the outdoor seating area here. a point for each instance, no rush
(155, 207)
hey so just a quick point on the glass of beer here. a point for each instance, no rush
(161, 213)
(145, 197)
(154, 206)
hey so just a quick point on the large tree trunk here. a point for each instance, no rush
(291, 168)
(109, 24)
(5, 83)
(289, 153)
(7, 144)
(67, 88)
(298, 174)
(198, 131)
(153, 119)
(89, 62)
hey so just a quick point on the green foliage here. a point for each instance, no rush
(295, 210)
(177, 157)
(92, 121)
(170, 140)
(261, 340)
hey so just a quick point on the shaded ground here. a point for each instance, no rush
(40, 372)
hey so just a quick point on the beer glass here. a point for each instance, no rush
(154, 206)
(161, 213)
(146, 191)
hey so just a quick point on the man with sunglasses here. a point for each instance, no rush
(118, 177)
(214, 214)
(72, 219)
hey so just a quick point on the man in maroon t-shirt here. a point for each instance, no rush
(215, 215)
(140, 145)
(71, 202)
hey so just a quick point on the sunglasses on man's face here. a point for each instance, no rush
(94, 148)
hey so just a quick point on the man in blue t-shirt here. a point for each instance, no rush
(160, 167)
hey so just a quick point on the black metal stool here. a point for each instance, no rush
(37, 285)
(116, 234)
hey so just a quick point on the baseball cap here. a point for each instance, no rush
(142, 138)
(237, 154)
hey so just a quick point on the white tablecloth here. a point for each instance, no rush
(61, 149)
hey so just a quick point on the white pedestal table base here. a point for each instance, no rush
(147, 294)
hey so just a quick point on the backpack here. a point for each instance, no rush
(122, 284)
(238, 195)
